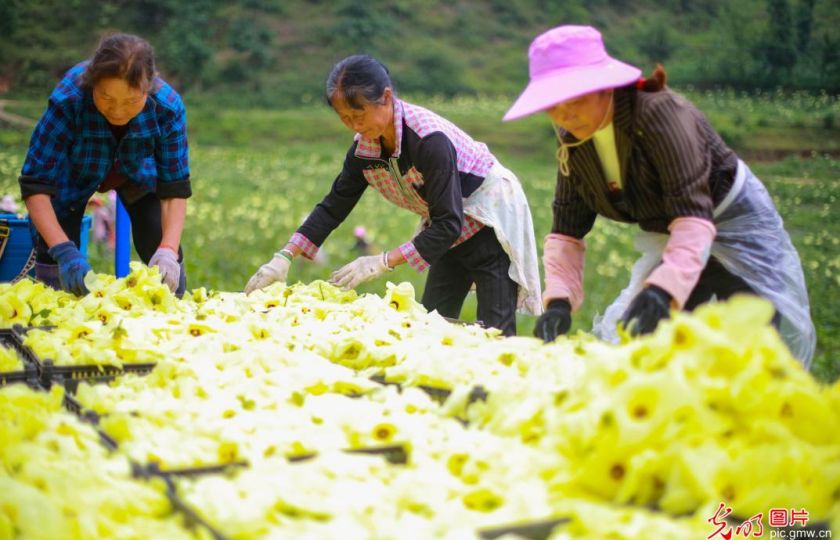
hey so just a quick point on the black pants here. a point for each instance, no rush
(715, 280)
(146, 231)
(480, 260)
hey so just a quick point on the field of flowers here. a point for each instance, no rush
(257, 173)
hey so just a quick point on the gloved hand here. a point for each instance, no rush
(646, 310)
(167, 262)
(277, 269)
(362, 269)
(555, 320)
(72, 267)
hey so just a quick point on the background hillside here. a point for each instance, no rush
(280, 50)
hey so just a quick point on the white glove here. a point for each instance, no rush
(167, 262)
(274, 270)
(362, 269)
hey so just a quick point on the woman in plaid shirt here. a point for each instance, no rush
(634, 151)
(475, 225)
(111, 123)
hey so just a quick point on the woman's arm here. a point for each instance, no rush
(44, 169)
(173, 213)
(672, 134)
(437, 162)
(563, 248)
(172, 155)
(563, 261)
(684, 258)
(347, 189)
(41, 214)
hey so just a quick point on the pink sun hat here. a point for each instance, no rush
(567, 62)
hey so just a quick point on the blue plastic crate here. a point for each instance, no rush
(17, 257)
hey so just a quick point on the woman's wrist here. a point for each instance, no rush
(286, 253)
(170, 247)
(385, 261)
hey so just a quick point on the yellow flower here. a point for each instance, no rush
(384, 432)
(482, 500)
(9, 360)
(14, 310)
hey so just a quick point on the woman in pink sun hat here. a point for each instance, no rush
(632, 150)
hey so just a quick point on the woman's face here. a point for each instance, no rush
(372, 120)
(117, 101)
(583, 115)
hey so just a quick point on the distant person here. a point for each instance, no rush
(111, 123)
(477, 226)
(103, 217)
(361, 246)
(634, 151)
(8, 205)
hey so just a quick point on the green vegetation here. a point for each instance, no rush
(279, 51)
(257, 172)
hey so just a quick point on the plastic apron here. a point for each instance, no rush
(500, 202)
(751, 242)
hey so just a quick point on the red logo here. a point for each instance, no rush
(719, 521)
(777, 517)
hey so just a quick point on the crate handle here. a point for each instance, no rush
(4, 236)
(30, 262)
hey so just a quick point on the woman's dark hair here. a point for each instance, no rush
(357, 80)
(123, 56)
(655, 82)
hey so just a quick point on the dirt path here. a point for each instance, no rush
(14, 119)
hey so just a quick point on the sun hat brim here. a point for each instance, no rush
(563, 84)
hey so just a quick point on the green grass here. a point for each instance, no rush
(257, 173)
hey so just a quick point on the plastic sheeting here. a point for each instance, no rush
(751, 242)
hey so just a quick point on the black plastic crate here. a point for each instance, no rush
(70, 376)
(153, 469)
(535, 530)
(192, 517)
(396, 454)
(29, 373)
(89, 417)
(478, 393)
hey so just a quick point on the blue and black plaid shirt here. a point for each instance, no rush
(72, 148)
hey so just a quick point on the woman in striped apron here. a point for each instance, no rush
(632, 150)
(475, 223)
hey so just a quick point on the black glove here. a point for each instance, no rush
(646, 310)
(556, 320)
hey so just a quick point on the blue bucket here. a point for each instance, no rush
(17, 257)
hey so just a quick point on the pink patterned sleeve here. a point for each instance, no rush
(563, 262)
(684, 258)
(412, 256)
(307, 247)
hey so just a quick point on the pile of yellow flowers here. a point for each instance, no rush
(638, 440)
(58, 482)
(9, 360)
